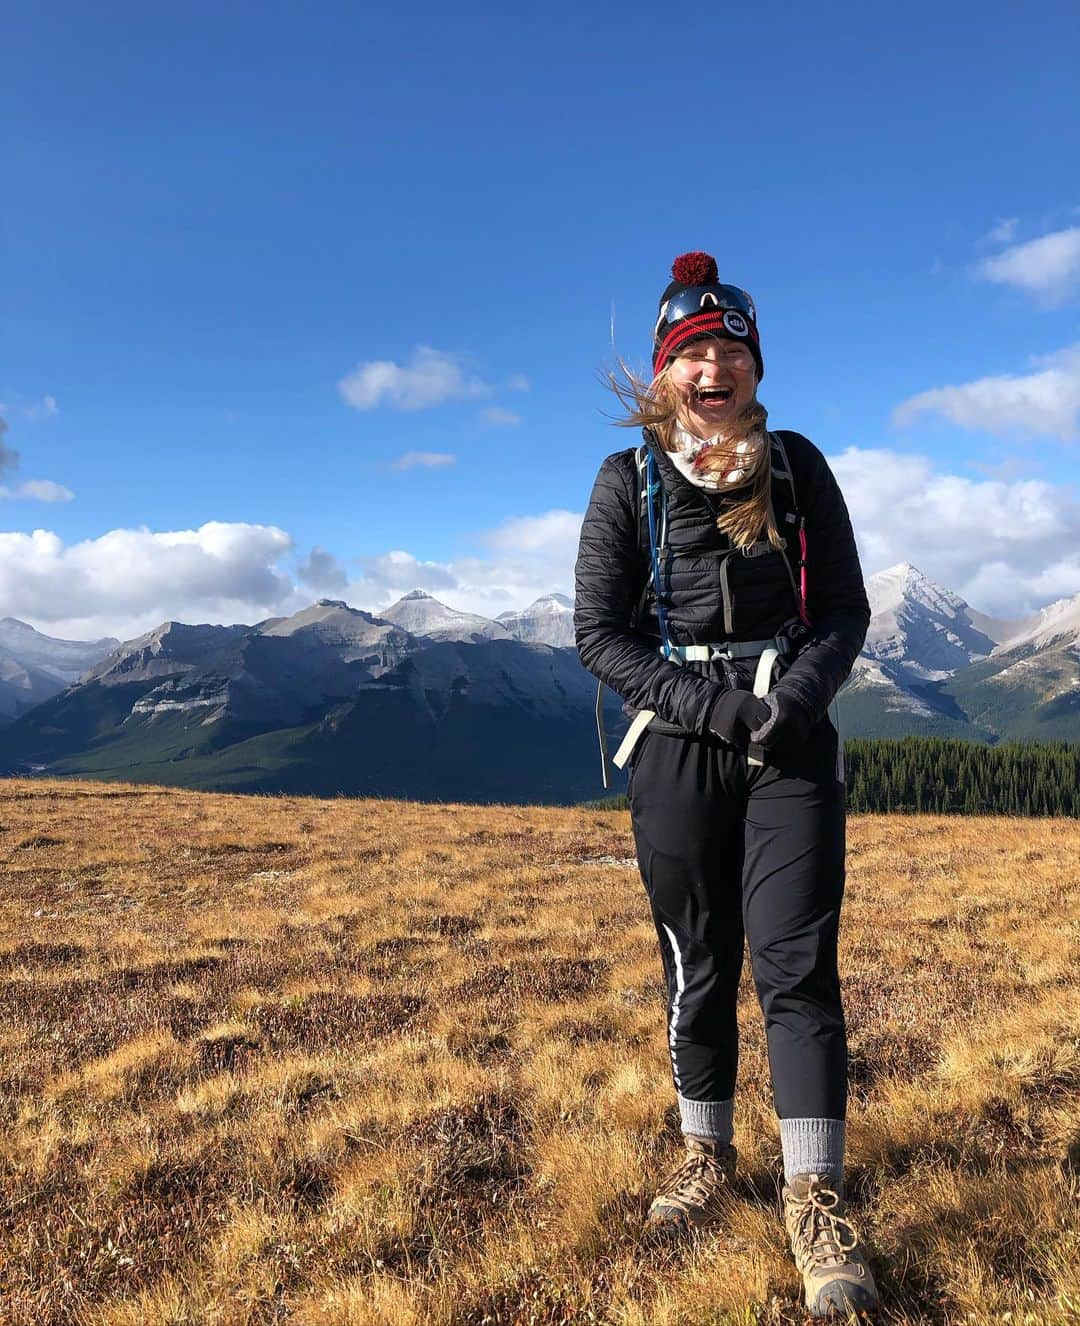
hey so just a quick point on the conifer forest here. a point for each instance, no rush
(942, 776)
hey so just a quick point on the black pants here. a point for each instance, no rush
(726, 850)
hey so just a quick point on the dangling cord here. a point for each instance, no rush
(803, 613)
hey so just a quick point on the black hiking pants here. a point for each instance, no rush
(727, 850)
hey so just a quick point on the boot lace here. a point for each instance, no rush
(695, 1181)
(820, 1233)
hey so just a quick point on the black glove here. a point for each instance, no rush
(785, 722)
(735, 713)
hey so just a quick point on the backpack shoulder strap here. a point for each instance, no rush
(782, 470)
(641, 505)
(792, 528)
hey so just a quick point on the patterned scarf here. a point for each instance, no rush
(714, 463)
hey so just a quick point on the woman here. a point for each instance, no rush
(715, 561)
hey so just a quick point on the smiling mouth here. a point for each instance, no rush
(714, 395)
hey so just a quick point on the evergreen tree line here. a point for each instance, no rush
(947, 776)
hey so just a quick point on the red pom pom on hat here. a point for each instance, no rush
(695, 269)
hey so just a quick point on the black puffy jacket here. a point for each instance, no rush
(612, 569)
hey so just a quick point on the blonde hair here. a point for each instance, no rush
(655, 405)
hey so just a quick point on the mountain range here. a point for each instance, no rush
(34, 667)
(933, 666)
(422, 701)
(427, 702)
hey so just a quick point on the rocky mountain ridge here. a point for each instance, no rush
(424, 700)
(329, 699)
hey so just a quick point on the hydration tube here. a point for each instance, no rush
(661, 612)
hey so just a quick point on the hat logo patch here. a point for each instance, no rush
(736, 323)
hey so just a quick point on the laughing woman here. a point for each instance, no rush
(718, 591)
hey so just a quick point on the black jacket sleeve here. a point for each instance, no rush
(836, 595)
(608, 579)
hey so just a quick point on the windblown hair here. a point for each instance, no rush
(655, 405)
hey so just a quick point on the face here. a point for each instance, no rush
(716, 380)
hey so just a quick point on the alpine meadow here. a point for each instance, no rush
(344, 1062)
(540, 664)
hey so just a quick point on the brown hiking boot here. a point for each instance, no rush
(834, 1271)
(694, 1194)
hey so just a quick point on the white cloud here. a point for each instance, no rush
(1048, 267)
(1046, 402)
(522, 558)
(428, 378)
(388, 575)
(1006, 547)
(549, 533)
(128, 580)
(518, 382)
(430, 459)
(37, 490)
(499, 418)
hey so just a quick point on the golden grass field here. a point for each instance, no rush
(287, 1060)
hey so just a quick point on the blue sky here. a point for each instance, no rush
(339, 279)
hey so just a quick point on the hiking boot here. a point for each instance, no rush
(825, 1246)
(694, 1194)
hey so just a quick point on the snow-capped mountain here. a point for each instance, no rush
(1057, 625)
(34, 666)
(547, 621)
(920, 634)
(919, 627)
(933, 665)
(421, 614)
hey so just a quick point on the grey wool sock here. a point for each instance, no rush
(714, 1119)
(813, 1146)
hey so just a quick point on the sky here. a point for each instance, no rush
(304, 301)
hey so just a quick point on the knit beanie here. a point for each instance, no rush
(696, 304)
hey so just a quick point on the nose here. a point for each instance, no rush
(710, 369)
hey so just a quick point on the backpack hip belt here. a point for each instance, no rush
(765, 651)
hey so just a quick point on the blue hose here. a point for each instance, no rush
(661, 612)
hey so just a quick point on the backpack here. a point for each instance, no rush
(652, 527)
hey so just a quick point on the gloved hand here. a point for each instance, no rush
(735, 713)
(785, 723)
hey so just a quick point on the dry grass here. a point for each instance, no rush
(339, 1062)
